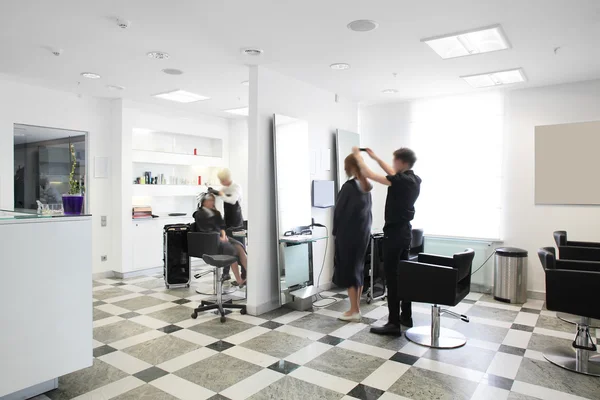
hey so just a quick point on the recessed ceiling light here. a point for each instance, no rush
(482, 40)
(238, 111)
(340, 66)
(245, 83)
(496, 78)
(251, 51)
(362, 25)
(389, 91)
(114, 87)
(159, 55)
(181, 96)
(172, 71)
(90, 75)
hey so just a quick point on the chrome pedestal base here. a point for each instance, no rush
(575, 319)
(581, 361)
(447, 339)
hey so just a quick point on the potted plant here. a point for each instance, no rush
(73, 201)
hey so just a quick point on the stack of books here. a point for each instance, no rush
(141, 212)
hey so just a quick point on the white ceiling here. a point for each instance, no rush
(300, 39)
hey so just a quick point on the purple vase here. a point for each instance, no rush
(72, 204)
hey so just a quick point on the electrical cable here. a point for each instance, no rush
(335, 300)
(485, 262)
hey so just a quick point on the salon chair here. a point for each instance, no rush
(206, 246)
(572, 287)
(437, 280)
(560, 237)
(417, 244)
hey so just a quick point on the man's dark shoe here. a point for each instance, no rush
(225, 277)
(387, 329)
(404, 321)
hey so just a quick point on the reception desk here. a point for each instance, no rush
(45, 301)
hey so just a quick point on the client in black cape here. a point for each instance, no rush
(352, 229)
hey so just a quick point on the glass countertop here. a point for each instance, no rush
(6, 215)
(301, 238)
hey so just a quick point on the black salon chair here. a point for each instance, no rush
(417, 244)
(572, 287)
(560, 237)
(437, 280)
(206, 246)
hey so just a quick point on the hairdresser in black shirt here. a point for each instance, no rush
(403, 190)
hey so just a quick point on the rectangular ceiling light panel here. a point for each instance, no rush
(238, 111)
(482, 40)
(496, 78)
(181, 96)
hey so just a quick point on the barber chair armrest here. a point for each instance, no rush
(436, 260)
(579, 253)
(427, 283)
(578, 265)
(573, 292)
(583, 244)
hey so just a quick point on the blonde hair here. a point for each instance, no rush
(224, 174)
(351, 167)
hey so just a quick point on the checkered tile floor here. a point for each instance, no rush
(147, 346)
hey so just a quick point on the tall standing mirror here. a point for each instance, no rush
(344, 142)
(293, 201)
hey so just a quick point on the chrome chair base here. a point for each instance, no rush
(575, 319)
(447, 339)
(580, 361)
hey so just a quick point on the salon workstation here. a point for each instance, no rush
(211, 201)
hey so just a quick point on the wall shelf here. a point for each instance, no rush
(167, 190)
(165, 158)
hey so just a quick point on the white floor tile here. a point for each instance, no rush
(499, 306)
(505, 365)
(187, 359)
(392, 396)
(482, 344)
(112, 309)
(112, 389)
(249, 319)
(303, 333)
(252, 385)
(246, 335)
(414, 349)
(96, 344)
(367, 349)
(181, 388)
(125, 362)
(290, 317)
(491, 322)
(107, 321)
(186, 323)
(140, 280)
(386, 375)
(159, 307)
(557, 334)
(254, 357)
(133, 288)
(525, 318)
(348, 330)
(448, 369)
(461, 308)
(137, 339)
(517, 338)
(122, 298)
(485, 392)
(163, 296)
(101, 288)
(474, 296)
(540, 392)
(377, 313)
(108, 281)
(534, 304)
(194, 337)
(322, 379)
(548, 313)
(308, 353)
(149, 322)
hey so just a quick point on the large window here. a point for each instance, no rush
(458, 141)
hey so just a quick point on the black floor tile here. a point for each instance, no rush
(271, 325)
(129, 315)
(332, 340)
(520, 327)
(170, 329)
(512, 350)
(98, 303)
(498, 381)
(531, 310)
(364, 392)
(150, 374)
(220, 346)
(103, 350)
(182, 301)
(404, 358)
(284, 367)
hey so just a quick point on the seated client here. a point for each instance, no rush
(208, 219)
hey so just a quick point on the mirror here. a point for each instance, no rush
(293, 201)
(344, 142)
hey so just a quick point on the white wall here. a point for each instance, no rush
(270, 93)
(25, 104)
(523, 224)
(238, 157)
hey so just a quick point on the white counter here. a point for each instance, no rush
(45, 301)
